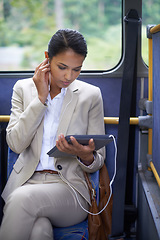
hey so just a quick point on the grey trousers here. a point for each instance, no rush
(33, 209)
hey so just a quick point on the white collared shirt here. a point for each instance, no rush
(51, 122)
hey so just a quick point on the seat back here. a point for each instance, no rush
(12, 157)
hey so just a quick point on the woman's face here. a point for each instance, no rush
(65, 68)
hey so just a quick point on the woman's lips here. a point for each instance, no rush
(66, 83)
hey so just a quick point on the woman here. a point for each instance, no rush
(40, 192)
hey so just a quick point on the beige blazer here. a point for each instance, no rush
(82, 113)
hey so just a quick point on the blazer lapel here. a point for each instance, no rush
(69, 104)
(39, 134)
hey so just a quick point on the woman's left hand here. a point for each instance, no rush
(85, 153)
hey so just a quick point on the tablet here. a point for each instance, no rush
(99, 140)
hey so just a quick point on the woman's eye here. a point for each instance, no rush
(77, 70)
(62, 68)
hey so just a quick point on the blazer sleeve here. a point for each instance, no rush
(24, 120)
(96, 127)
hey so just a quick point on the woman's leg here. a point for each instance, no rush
(55, 201)
(42, 229)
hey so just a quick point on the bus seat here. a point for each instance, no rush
(78, 231)
(12, 157)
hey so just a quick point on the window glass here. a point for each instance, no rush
(27, 26)
(150, 16)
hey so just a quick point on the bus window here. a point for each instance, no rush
(150, 16)
(27, 26)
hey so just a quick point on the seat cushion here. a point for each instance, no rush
(75, 232)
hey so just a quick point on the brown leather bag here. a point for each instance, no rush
(99, 226)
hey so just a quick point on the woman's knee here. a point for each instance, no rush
(42, 229)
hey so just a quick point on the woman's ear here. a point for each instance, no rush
(46, 54)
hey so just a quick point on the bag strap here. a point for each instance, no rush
(92, 191)
(132, 21)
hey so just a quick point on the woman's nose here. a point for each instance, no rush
(68, 75)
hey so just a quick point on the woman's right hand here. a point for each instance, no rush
(41, 79)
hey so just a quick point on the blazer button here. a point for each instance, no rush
(59, 167)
